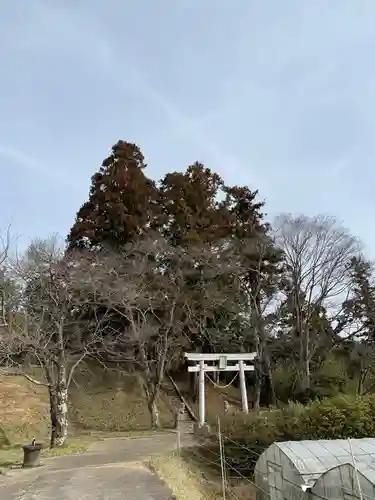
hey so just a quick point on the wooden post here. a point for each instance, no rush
(178, 436)
(222, 459)
(245, 406)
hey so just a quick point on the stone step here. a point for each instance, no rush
(185, 421)
(186, 427)
(185, 417)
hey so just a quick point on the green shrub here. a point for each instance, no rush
(285, 379)
(331, 379)
(246, 436)
(340, 417)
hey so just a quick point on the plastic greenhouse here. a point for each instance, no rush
(324, 469)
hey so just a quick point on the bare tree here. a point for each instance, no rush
(317, 251)
(5, 284)
(156, 295)
(5, 243)
(45, 325)
(259, 276)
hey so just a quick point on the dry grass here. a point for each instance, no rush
(24, 412)
(102, 403)
(192, 478)
(24, 415)
(244, 492)
(185, 479)
(100, 400)
(111, 400)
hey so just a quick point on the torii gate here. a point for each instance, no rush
(220, 363)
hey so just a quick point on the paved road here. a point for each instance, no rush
(109, 470)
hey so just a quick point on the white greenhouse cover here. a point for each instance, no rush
(314, 458)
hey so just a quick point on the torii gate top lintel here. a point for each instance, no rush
(240, 356)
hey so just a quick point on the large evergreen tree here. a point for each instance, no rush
(359, 315)
(189, 206)
(120, 200)
(359, 308)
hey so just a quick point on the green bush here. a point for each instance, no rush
(247, 436)
(285, 379)
(331, 379)
(341, 417)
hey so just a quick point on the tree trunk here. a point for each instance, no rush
(263, 370)
(270, 387)
(360, 384)
(151, 393)
(193, 386)
(258, 385)
(151, 382)
(151, 397)
(302, 332)
(258, 371)
(361, 379)
(58, 395)
(305, 373)
(154, 413)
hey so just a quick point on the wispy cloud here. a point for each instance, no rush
(86, 41)
(28, 163)
(227, 162)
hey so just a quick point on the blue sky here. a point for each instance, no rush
(275, 94)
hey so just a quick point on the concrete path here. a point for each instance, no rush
(110, 469)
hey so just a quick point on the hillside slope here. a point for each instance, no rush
(100, 400)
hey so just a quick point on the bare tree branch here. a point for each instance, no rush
(317, 253)
(50, 325)
(154, 295)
